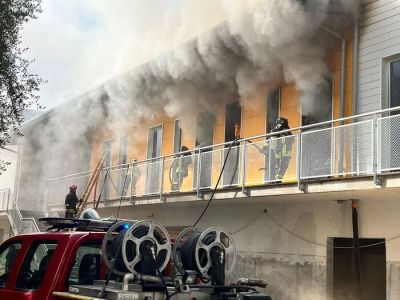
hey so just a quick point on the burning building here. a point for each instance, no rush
(291, 200)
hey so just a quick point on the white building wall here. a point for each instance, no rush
(379, 39)
(7, 178)
(288, 250)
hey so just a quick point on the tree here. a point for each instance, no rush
(18, 87)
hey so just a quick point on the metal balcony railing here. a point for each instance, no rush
(19, 224)
(361, 145)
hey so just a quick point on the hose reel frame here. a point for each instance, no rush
(221, 238)
(150, 236)
(129, 235)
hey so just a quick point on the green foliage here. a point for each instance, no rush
(18, 87)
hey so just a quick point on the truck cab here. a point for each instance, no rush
(33, 266)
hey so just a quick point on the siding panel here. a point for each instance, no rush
(379, 38)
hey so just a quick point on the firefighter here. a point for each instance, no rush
(179, 168)
(70, 202)
(278, 150)
(135, 176)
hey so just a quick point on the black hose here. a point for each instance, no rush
(216, 186)
(188, 251)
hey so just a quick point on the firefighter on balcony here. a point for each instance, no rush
(179, 168)
(135, 175)
(70, 202)
(279, 150)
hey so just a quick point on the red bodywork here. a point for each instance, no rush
(60, 264)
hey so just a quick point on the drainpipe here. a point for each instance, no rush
(355, 66)
(356, 247)
(343, 68)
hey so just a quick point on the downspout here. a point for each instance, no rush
(343, 68)
(355, 67)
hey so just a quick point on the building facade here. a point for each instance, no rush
(295, 231)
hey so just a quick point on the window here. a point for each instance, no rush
(273, 108)
(87, 264)
(394, 84)
(123, 150)
(233, 119)
(204, 137)
(8, 256)
(35, 265)
(232, 130)
(107, 148)
(317, 107)
(204, 129)
(178, 136)
(154, 142)
(122, 159)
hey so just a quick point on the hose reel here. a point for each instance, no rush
(196, 249)
(126, 244)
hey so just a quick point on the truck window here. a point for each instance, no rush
(87, 264)
(35, 265)
(7, 258)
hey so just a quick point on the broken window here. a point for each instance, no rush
(273, 108)
(204, 137)
(177, 136)
(316, 106)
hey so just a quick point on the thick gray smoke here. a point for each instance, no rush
(260, 44)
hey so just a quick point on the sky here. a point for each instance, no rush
(77, 45)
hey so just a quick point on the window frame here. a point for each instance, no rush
(3, 248)
(180, 138)
(331, 75)
(29, 255)
(148, 135)
(71, 265)
(123, 151)
(385, 79)
(196, 129)
(279, 90)
(225, 119)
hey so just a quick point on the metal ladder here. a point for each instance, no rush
(92, 182)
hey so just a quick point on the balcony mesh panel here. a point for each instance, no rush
(230, 176)
(152, 174)
(352, 153)
(205, 171)
(389, 143)
(316, 153)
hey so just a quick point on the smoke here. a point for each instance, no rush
(260, 43)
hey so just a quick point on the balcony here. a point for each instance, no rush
(353, 155)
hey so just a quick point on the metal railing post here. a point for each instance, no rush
(162, 197)
(300, 185)
(244, 168)
(198, 174)
(133, 165)
(333, 151)
(377, 180)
